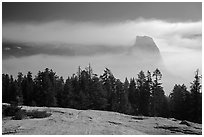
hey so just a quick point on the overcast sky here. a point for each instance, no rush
(175, 27)
(101, 12)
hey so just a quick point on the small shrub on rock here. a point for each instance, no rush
(38, 114)
(10, 110)
(21, 114)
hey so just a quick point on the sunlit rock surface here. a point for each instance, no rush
(82, 122)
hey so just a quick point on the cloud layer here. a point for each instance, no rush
(168, 35)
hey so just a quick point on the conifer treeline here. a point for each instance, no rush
(143, 95)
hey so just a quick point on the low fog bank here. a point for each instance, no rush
(176, 68)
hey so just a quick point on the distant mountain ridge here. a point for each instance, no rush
(143, 45)
(12, 49)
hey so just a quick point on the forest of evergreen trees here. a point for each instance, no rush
(143, 95)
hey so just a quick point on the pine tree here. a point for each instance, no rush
(84, 92)
(50, 87)
(118, 96)
(12, 90)
(60, 92)
(98, 95)
(28, 89)
(125, 106)
(196, 98)
(179, 102)
(134, 96)
(144, 93)
(5, 88)
(109, 85)
(157, 94)
(18, 86)
(148, 87)
(75, 100)
(45, 86)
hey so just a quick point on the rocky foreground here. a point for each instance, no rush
(83, 122)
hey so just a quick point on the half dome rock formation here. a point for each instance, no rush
(146, 44)
(145, 47)
(146, 53)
